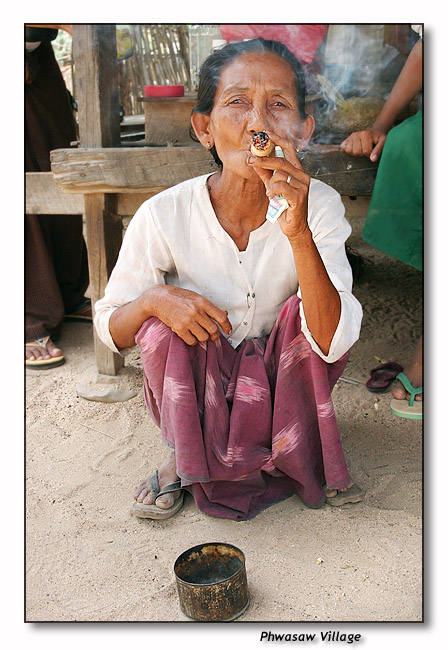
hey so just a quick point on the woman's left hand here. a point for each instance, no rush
(291, 181)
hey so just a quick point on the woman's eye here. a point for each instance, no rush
(279, 103)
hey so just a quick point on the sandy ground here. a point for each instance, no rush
(87, 559)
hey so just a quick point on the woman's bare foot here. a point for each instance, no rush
(167, 475)
(414, 372)
(45, 351)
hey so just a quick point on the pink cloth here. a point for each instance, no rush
(249, 426)
(302, 40)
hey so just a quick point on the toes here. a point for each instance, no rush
(52, 349)
(167, 500)
(146, 496)
(142, 496)
(398, 391)
(36, 352)
(148, 499)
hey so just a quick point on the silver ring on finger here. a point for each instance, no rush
(288, 180)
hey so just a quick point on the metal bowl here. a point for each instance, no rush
(211, 582)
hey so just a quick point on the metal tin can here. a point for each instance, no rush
(211, 582)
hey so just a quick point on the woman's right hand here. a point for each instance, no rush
(191, 316)
(368, 143)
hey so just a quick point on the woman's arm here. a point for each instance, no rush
(407, 86)
(136, 291)
(320, 299)
(370, 142)
(192, 317)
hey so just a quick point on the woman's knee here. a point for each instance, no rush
(152, 335)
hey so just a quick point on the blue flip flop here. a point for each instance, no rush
(404, 409)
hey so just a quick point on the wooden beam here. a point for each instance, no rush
(97, 93)
(104, 235)
(128, 169)
(348, 175)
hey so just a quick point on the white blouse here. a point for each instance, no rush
(175, 239)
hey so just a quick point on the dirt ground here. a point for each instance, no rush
(87, 559)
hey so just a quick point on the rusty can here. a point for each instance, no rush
(211, 582)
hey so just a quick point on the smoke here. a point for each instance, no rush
(360, 66)
(355, 58)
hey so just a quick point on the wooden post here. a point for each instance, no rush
(97, 94)
(104, 233)
(97, 88)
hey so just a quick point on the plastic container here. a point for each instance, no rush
(164, 91)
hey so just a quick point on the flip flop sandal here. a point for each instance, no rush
(43, 364)
(151, 511)
(382, 376)
(83, 314)
(353, 494)
(404, 409)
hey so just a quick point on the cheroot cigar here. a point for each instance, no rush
(261, 144)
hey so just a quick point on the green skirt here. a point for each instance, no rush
(394, 222)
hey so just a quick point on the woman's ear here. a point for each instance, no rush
(200, 124)
(306, 130)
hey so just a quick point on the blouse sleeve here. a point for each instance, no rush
(143, 261)
(330, 231)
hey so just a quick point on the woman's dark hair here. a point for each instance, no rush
(210, 74)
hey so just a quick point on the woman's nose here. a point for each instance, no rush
(257, 119)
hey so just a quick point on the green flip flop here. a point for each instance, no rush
(411, 410)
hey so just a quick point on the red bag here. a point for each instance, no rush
(302, 40)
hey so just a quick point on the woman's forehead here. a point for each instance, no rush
(256, 66)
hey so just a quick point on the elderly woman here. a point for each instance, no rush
(244, 325)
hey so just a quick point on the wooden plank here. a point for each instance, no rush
(43, 196)
(348, 175)
(104, 235)
(127, 169)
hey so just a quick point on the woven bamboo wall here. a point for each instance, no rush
(161, 56)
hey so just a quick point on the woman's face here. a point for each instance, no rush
(256, 92)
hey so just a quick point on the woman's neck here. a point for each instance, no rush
(240, 205)
(237, 200)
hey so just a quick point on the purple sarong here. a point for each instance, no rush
(249, 426)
